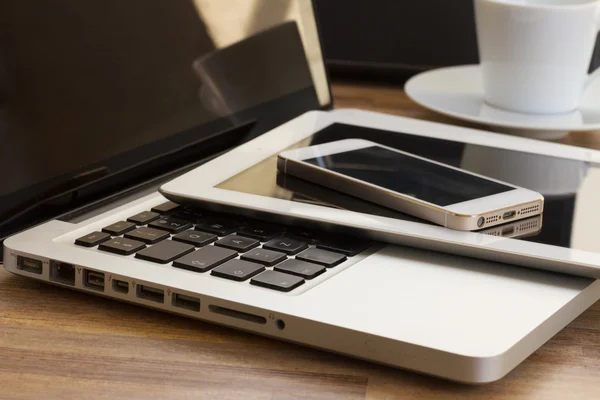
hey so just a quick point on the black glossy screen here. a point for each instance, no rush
(410, 176)
(89, 89)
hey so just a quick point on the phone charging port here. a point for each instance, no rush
(509, 214)
(508, 231)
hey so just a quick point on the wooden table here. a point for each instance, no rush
(59, 344)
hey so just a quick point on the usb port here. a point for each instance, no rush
(150, 293)
(62, 272)
(185, 302)
(93, 280)
(120, 286)
(29, 265)
(509, 214)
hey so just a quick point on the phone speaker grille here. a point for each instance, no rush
(530, 209)
(528, 226)
(492, 219)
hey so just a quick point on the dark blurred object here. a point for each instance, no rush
(393, 40)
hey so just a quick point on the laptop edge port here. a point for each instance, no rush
(93, 280)
(186, 302)
(29, 265)
(120, 286)
(150, 293)
(62, 272)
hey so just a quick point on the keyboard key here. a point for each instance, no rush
(346, 245)
(144, 218)
(277, 281)
(264, 257)
(165, 251)
(238, 243)
(205, 259)
(190, 214)
(237, 270)
(322, 257)
(304, 234)
(166, 208)
(289, 246)
(147, 235)
(122, 246)
(93, 239)
(171, 224)
(299, 268)
(262, 232)
(196, 238)
(119, 228)
(221, 227)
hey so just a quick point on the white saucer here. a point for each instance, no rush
(458, 92)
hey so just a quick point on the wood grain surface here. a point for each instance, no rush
(59, 344)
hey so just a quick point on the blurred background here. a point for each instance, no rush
(386, 40)
(392, 40)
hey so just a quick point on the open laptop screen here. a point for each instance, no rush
(92, 88)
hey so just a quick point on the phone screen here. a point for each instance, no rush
(409, 176)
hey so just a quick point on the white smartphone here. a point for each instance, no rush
(424, 188)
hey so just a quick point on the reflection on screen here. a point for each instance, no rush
(101, 85)
(310, 193)
(571, 188)
(410, 176)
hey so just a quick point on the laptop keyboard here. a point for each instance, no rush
(228, 247)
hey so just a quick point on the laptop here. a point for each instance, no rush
(101, 103)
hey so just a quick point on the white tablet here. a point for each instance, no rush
(246, 181)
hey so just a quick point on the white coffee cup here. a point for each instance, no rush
(535, 54)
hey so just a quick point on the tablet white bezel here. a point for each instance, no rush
(199, 185)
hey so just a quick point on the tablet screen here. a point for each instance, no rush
(569, 186)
